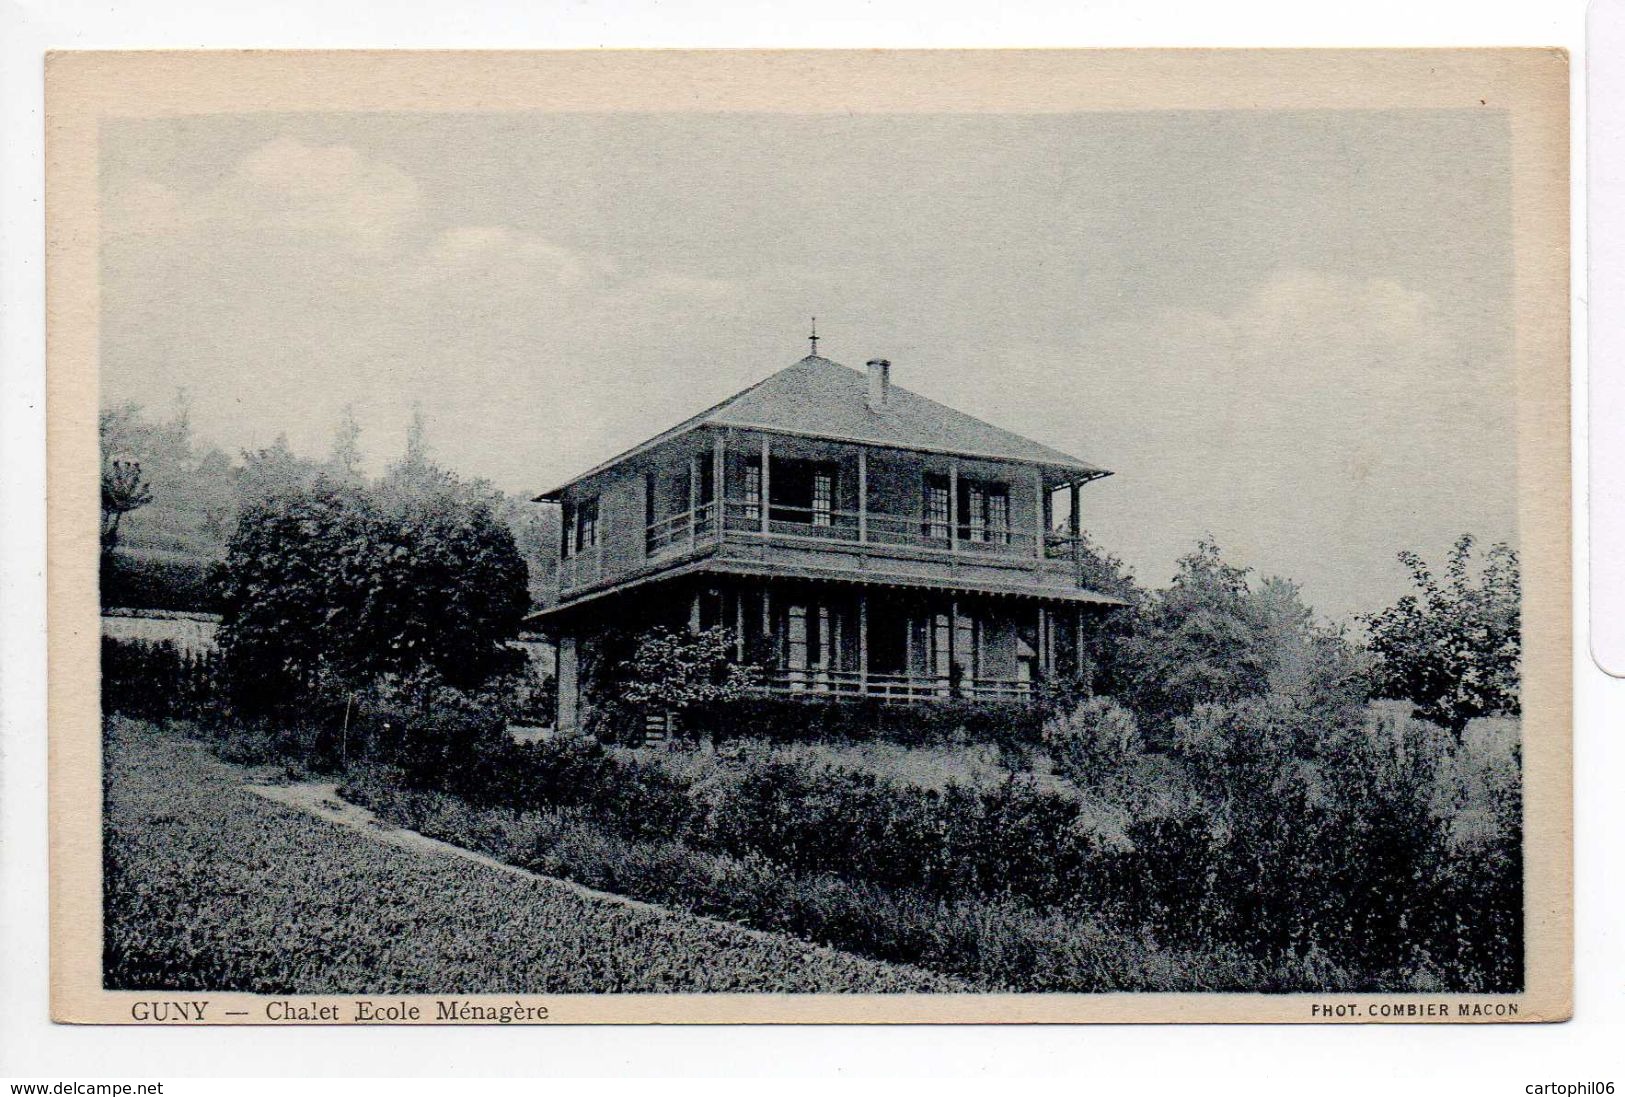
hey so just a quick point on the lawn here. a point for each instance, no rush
(210, 887)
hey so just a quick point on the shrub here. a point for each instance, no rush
(1092, 742)
(337, 580)
(159, 681)
(680, 671)
(1015, 728)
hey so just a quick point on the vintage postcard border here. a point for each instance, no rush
(83, 89)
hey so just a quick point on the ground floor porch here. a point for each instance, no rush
(852, 640)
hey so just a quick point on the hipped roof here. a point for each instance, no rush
(818, 398)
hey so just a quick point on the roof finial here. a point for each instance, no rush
(813, 338)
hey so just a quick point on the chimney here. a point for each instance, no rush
(879, 383)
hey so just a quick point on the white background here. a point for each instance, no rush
(1359, 1059)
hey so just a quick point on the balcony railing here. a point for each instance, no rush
(911, 530)
(896, 687)
(681, 529)
(691, 529)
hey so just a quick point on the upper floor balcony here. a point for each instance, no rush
(818, 507)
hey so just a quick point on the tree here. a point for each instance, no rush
(1211, 638)
(352, 583)
(123, 489)
(681, 670)
(1453, 648)
(1197, 640)
(345, 459)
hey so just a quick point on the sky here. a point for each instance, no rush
(1291, 330)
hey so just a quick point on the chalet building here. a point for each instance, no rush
(857, 539)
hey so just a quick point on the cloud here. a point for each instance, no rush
(1319, 410)
(323, 192)
(506, 257)
(306, 276)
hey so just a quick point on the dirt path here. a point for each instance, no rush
(322, 800)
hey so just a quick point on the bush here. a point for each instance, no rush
(150, 582)
(1092, 742)
(159, 681)
(1014, 728)
(1309, 846)
(337, 581)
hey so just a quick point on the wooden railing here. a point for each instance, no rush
(689, 529)
(681, 529)
(898, 687)
(876, 528)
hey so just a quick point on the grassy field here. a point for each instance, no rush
(210, 887)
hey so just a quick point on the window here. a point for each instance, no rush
(587, 525)
(984, 512)
(803, 492)
(937, 516)
(823, 497)
(998, 515)
(753, 489)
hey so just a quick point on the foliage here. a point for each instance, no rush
(191, 486)
(1453, 648)
(993, 944)
(1095, 740)
(1213, 638)
(1326, 855)
(209, 887)
(123, 489)
(1016, 729)
(167, 548)
(154, 582)
(347, 583)
(159, 681)
(679, 670)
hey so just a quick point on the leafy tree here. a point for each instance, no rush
(123, 489)
(345, 458)
(1211, 638)
(679, 670)
(352, 582)
(1453, 648)
(1197, 640)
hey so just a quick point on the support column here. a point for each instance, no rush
(569, 689)
(767, 482)
(1074, 529)
(863, 494)
(953, 504)
(1077, 627)
(863, 642)
(694, 613)
(770, 643)
(719, 496)
(1043, 652)
(693, 498)
(739, 625)
(1040, 519)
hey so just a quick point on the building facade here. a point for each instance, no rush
(858, 540)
